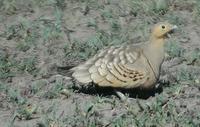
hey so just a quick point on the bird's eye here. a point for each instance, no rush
(163, 27)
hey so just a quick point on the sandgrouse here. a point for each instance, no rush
(127, 66)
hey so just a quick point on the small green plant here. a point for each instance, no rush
(92, 23)
(88, 48)
(51, 118)
(52, 29)
(174, 18)
(173, 49)
(55, 90)
(106, 14)
(86, 117)
(160, 6)
(15, 97)
(193, 58)
(8, 6)
(23, 46)
(153, 7)
(37, 86)
(59, 4)
(196, 11)
(115, 26)
(28, 65)
(26, 112)
(5, 66)
(185, 75)
(22, 30)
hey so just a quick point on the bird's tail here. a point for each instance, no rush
(65, 70)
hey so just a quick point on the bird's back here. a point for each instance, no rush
(116, 66)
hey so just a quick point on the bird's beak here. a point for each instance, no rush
(174, 27)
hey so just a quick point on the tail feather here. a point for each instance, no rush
(82, 76)
(80, 73)
(84, 79)
(66, 70)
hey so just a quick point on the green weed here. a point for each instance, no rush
(184, 75)
(153, 7)
(5, 66)
(193, 58)
(28, 65)
(26, 112)
(52, 29)
(196, 11)
(8, 6)
(174, 19)
(37, 86)
(88, 48)
(173, 49)
(55, 90)
(14, 96)
(92, 23)
(24, 31)
(51, 118)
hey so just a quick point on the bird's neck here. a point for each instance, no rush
(156, 46)
(156, 41)
(155, 53)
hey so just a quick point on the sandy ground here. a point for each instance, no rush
(36, 38)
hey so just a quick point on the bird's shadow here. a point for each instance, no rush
(109, 91)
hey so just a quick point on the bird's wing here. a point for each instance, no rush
(113, 66)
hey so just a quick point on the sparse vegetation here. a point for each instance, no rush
(38, 36)
(5, 66)
(196, 11)
(28, 65)
(194, 57)
(174, 49)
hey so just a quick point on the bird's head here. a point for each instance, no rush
(163, 30)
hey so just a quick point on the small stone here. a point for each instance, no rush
(197, 81)
(65, 92)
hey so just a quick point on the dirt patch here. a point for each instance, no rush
(38, 36)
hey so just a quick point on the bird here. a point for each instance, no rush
(127, 65)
